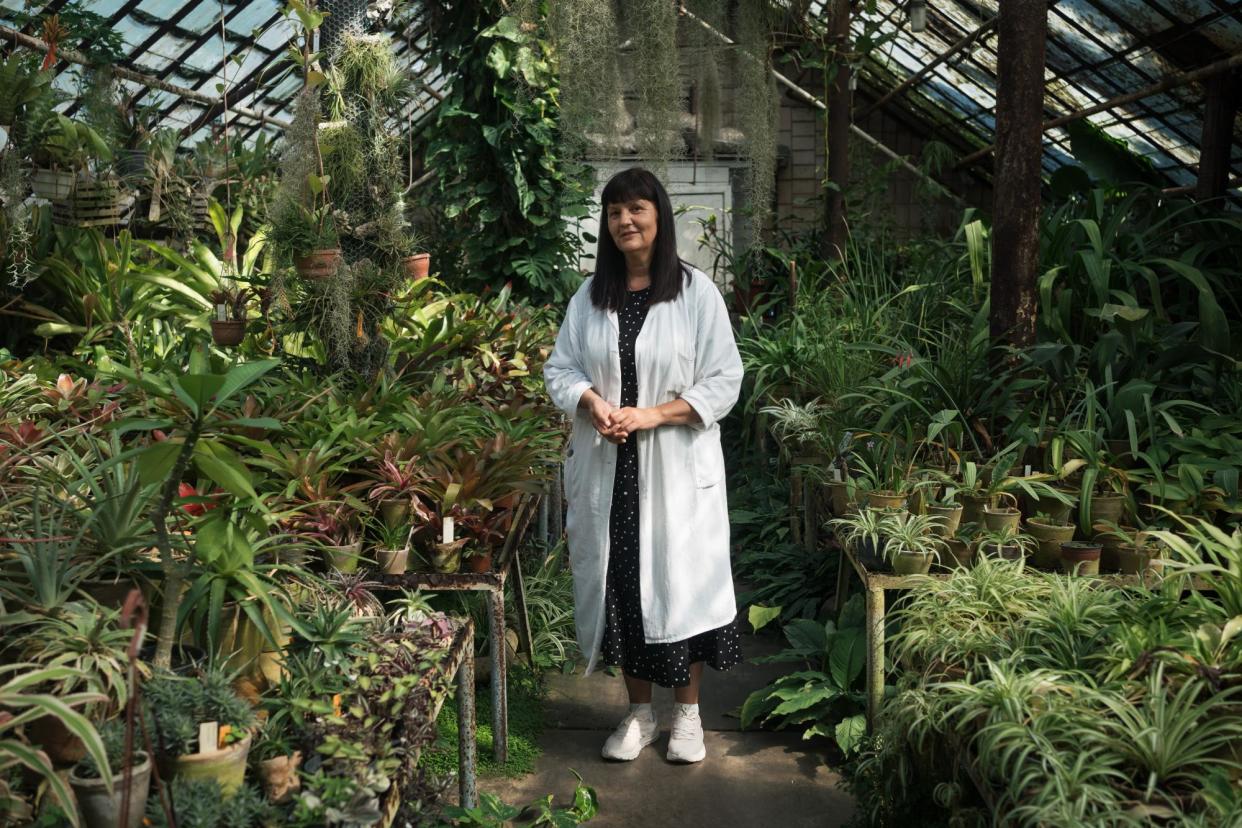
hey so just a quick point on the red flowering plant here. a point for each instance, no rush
(80, 400)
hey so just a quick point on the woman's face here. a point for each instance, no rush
(632, 225)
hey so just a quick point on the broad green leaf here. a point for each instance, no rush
(225, 468)
(849, 733)
(196, 390)
(138, 424)
(241, 376)
(805, 699)
(156, 461)
(847, 656)
(760, 616)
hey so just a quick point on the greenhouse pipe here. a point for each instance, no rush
(73, 56)
(807, 97)
(1172, 82)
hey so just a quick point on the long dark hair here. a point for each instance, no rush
(667, 269)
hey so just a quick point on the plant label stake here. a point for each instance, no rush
(836, 475)
(208, 737)
(1026, 470)
(222, 313)
(448, 530)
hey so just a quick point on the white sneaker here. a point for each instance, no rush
(685, 743)
(635, 732)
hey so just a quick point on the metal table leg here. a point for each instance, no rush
(467, 750)
(500, 679)
(843, 584)
(875, 654)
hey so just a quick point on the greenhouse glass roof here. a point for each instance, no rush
(1097, 50)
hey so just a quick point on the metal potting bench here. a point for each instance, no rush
(493, 583)
(457, 666)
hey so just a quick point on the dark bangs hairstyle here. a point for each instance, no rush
(668, 272)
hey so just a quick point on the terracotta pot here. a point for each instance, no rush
(1050, 536)
(1081, 557)
(950, 519)
(1010, 552)
(344, 558)
(60, 745)
(480, 563)
(228, 332)
(1107, 508)
(417, 266)
(906, 562)
(279, 776)
(445, 558)
(103, 810)
(960, 554)
(394, 511)
(227, 766)
(393, 561)
(972, 507)
(318, 264)
(885, 500)
(1133, 560)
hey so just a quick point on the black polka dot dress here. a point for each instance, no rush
(625, 644)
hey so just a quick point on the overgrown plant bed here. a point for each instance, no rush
(1080, 704)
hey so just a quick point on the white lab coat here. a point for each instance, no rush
(685, 349)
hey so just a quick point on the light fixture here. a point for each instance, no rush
(917, 12)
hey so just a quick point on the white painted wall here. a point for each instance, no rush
(702, 190)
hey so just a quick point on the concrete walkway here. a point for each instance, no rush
(750, 779)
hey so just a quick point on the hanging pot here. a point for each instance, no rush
(417, 266)
(52, 185)
(318, 264)
(1081, 557)
(103, 810)
(393, 561)
(228, 332)
(950, 518)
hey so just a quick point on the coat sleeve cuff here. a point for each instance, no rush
(575, 396)
(701, 408)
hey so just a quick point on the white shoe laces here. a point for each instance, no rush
(685, 727)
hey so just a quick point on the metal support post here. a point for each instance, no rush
(467, 749)
(500, 679)
(875, 654)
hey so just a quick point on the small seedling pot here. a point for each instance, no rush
(1049, 536)
(908, 562)
(393, 561)
(228, 332)
(950, 518)
(1080, 557)
(103, 810)
(318, 264)
(886, 500)
(417, 266)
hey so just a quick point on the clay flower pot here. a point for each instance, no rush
(907, 562)
(1134, 560)
(228, 332)
(318, 264)
(226, 766)
(950, 519)
(960, 554)
(972, 507)
(417, 266)
(1011, 552)
(480, 562)
(1081, 557)
(103, 810)
(393, 561)
(1107, 508)
(344, 558)
(394, 511)
(1050, 537)
(886, 500)
(279, 776)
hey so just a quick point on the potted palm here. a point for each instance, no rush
(100, 799)
(179, 708)
(912, 546)
(1049, 533)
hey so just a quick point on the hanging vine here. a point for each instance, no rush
(652, 63)
(757, 107)
(592, 111)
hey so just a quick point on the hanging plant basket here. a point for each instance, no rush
(95, 205)
(131, 164)
(417, 266)
(228, 332)
(318, 264)
(52, 185)
(200, 212)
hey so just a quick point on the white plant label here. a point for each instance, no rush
(208, 737)
(448, 530)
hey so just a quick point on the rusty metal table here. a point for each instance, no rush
(458, 667)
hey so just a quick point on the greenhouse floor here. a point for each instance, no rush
(750, 778)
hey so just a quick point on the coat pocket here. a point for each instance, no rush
(708, 458)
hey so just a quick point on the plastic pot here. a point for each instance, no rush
(227, 766)
(1080, 557)
(1050, 536)
(279, 776)
(103, 810)
(417, 266)
(908, 562)
(885, 500)
(318, 264)
(446, 557)
(228, 332)
(393, 561)
(950, 519)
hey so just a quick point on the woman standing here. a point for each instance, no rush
(646, 364)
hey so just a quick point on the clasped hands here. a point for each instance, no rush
(616, 424)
